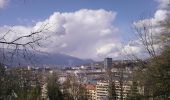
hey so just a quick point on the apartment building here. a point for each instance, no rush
(102, 90)
(122, 91)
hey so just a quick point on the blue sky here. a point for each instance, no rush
(24, 12)
(105, 34)
(128, 11)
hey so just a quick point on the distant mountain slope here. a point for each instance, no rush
(46, 59)
(60, 59)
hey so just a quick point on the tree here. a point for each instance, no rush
(22, 45)
(134, 92)
(17, 85)
(82, 93)
(156, 70)
(112, 91)
(73, 89)
(145, 34)
(158, 73)
(111, 87)
(54, 92)
(66, 86)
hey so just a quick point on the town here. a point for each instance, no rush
(95, 79)
(84, 49)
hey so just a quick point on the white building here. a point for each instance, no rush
(102, 90)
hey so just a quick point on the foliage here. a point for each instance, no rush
(53, 88)
(156, 75)
(134, 92)
(159, 75)
(74, 90)
(112, 91)
(16, 84)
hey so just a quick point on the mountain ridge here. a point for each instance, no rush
(43, 58)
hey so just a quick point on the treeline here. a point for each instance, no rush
(19, 84)
(24, 84)
(153, 77)
(69, 90)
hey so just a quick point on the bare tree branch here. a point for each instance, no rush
(25, 43)
(145, 35)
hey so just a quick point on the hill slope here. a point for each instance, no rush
(46, 59)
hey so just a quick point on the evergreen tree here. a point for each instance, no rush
(112, 91)
(134, 92)
(156, 73)
(53, 88)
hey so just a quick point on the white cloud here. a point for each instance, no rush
(87, 33)
(159, 16)
(3, 3)
(163, 3)
(84, 33)
(105, 49)
(128, 49)
(16, 31)
(153, 23)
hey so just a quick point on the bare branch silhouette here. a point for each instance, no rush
(22, 46)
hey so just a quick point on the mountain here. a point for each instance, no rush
(60, 59)
(40, 59)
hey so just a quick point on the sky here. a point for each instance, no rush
(88, 29)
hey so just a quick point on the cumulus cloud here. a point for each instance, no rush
(129, 49)
(159, 16)
(87, 33)
(135, 46)
(163, 4)
(109, 50)
(13, 32)
(154, 28)
(3, 3)
(84, 33)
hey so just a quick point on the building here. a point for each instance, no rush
(126, 86)
(107, 63)
(102, 90)
(91, 91)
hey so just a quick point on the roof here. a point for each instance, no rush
(90, 87)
